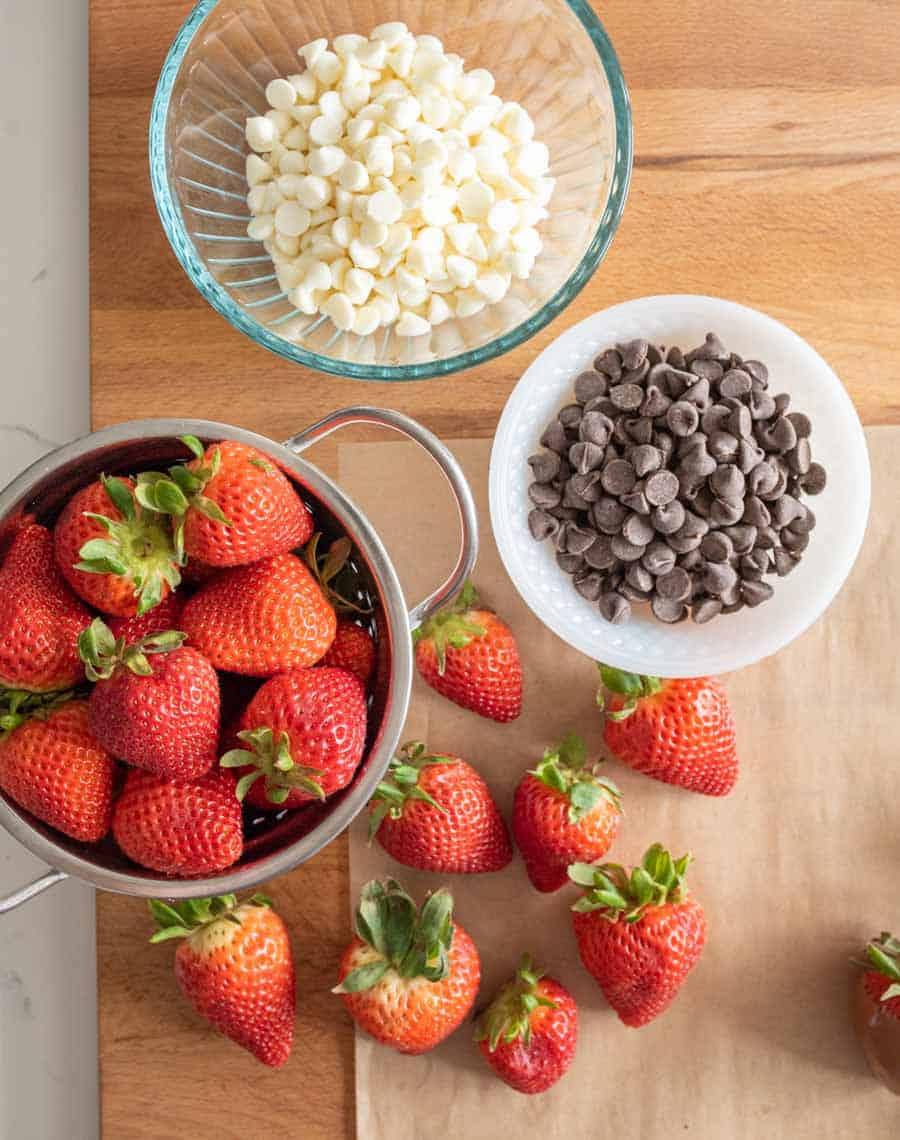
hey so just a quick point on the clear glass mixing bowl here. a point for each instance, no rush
(552, 56)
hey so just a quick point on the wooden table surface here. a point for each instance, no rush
(767, 170)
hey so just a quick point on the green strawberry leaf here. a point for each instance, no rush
(363, 978)
(120, 496)
(194, 446)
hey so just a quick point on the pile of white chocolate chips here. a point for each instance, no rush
(393, 187)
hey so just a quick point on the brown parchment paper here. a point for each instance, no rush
(795, 869)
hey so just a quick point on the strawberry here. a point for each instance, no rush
(114, 553)
(881, 979)
(529, 1031)
(306, 732)
(165, 616)
(182, 829)
(679, 731)
(235, 968)
(261, 619)
(155, 703)
(563, 813)
(352, 649)
(232, 505)
(40, 617)
(52, 766)
(470, 656)
(408, 977)
(435, 813)
(638, 935)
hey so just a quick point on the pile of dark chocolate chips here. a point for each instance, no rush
(675, 478)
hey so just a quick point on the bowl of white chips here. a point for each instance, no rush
(390, 201)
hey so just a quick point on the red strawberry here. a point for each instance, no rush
(680, 731)
(352, 649)
(409, 977)
(182, 829)
(165, 616)
(52, 766)
(306, 732)
(470, 656)
(261, 619)
(235, 968)
(40, 618)
(155, 703)
(564, 813)
(115, 554)
(882, 978)
(529, 1031)
(232, 503)
(435, 813)
(639, 936)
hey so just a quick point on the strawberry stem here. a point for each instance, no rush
(633, 687)
(565, 770)
(609, 889)
(270, 758)
(883, 955)
(402, 783)
(103, 653)
(508, 1017)
(452, 627)
(182, 919)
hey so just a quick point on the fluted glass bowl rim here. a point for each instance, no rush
(217, 296)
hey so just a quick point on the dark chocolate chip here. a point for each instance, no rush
(794, 542)
(655, 354)
(636, 375)
(782, 403)
(565, 514)
(723, 446)
(708, 370)
(711, 349)
(585, 456)
(570, 415)
(726, 512)
(715, 418)
(739, 422)
(749, 455)
(544, 466)
(658, 558)
(656, 402)
(743, 537)
(559, 539)
(626, 551)
(716, 546)
(633, 353)
(727, 482)
(736, 382)
(609, 363)
(590, 585)
(578, 539)
(618, 477)
(638, 530)
(762, 406)
(636, 500)
(646, 459)
(800, 458)
(755, 593)
(754, 565)
(802, 424)
(555, 437)
(667, 518)
(608, 515)
(706, 609)
(733, 607)
(544, 495)
(595, 427)
(762, 479)
(639, 429)
(805, 522)
(590, 385)
(677, 383)
(614, 608)
(675, 357)
(639, 577)
(785, 510)
(784, 561)
(756, 513)
(682, 418)
(668, 611)
(766, 538)
(570, 563)
(815, 479)
(627, 397)
(542, 525)
(572, 497)
(698, 394)
(661, 488)
(757, 370)
(599, 554)
(719, 578)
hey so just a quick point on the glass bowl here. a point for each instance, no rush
(553, 56)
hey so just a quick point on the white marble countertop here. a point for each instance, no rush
(48, 1009)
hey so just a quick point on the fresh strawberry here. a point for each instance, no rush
(435, 813)
(563, 813)
(40, 618)
(638, 935)
(231, 503)
(165, 616)
(529, 1031)
(261, 619)
(679, 731)
(235, 968)
(113, 552)
(352, 649)
(305, 733)
(409, 977)
(155, 703)
(882, 977)
(470, 656)
(182, 829)
(52, 766)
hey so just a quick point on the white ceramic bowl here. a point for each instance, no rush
(728, 642)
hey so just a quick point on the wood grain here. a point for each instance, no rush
(767, 170)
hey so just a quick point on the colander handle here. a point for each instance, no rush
(465, 504)
(23, 894)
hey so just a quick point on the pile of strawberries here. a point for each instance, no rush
(410, 975)
(121, 628)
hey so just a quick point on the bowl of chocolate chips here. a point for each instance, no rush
(679, 485)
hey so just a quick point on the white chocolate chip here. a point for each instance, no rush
(258, 170)
(260, 133)
(340, 308)
(281, 93)
(411, 324)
